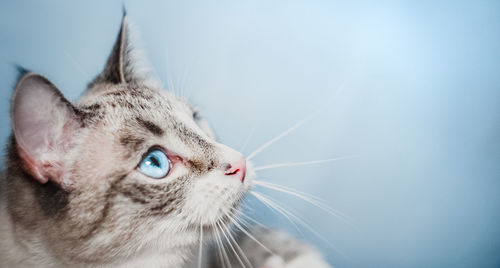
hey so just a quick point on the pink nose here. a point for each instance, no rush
(237, 169)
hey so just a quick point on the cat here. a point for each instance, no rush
(129, 176)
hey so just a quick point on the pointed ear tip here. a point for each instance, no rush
(124, 14)
(20, 70)
(124, 11)
(21, 73)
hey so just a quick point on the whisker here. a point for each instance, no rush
(305, 163)
(275, 208)
(247, 207)
(219, 246)
(226, 257)
(280, 136)
(252, 220)
(237, 246)
(188, 66)
(247, 139)
(181, 79)
(200, 253)
(231, 246)
(270, 200)
(297, 125)
(266, 183)
(169, 76)
(306, 197)
(234, 213)
(253, 238)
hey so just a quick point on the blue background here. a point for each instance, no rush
(411, 89)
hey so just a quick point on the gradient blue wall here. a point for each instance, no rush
(411, 89)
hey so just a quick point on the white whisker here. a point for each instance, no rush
(236, 244)
(246, 207)
(169, 76)
(252, 220)
(253, 238)
(297, 125)
(181, 79)
(224, 253)
(275, 203)
(200, 253)
(306, 197)
(233, 213)
(266, 183)
(231, 246)
(280, 136)
(305, 163)
(277, 209)
(249, 136)
(188, 66)
(219, 246)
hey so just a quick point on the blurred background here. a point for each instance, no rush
(410, 90)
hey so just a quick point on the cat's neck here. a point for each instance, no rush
(14, 253)
(25, 247)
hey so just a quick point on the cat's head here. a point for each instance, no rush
(128, 168)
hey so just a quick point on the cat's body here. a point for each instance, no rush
(81, 186)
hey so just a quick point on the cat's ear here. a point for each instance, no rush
(122, 64)
(43, 123)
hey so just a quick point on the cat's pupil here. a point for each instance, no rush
(154, 161)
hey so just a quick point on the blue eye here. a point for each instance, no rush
(155, 164)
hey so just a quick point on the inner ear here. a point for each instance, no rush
(43, 122)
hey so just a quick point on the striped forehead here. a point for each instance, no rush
(131, 101)
(173, 128)
(149, 114)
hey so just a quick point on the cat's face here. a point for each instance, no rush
(129, 168)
